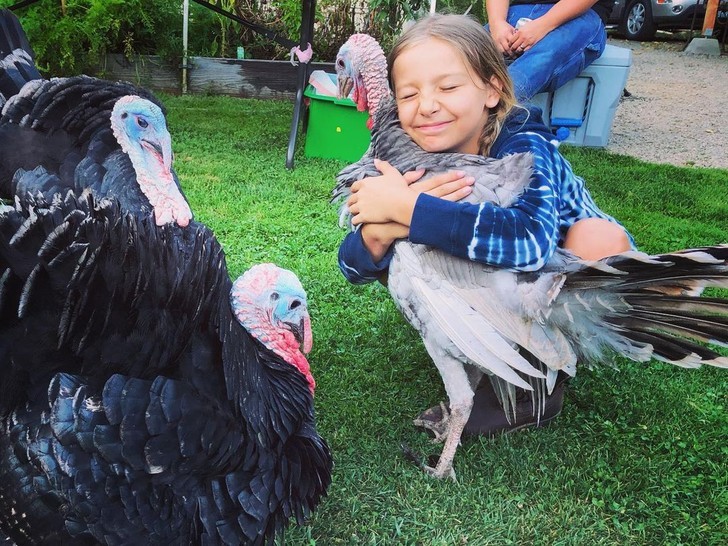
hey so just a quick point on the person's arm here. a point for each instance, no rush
(521, 237)
(364, 255)
(391, 197)
(377, 238)
(356, 263)
(500, 30)
(561, 12)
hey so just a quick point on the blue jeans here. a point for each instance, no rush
(560, 56)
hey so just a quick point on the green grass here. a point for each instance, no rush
(637, 457)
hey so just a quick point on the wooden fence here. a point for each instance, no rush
(250, 78)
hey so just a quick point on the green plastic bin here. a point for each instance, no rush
(336, 129)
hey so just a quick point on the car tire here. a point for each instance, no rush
(637, 22)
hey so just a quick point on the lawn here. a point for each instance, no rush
(639, 453)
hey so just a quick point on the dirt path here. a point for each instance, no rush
(678, 109)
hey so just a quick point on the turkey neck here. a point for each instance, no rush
(281, 342)
(377, 89)
(159, 187)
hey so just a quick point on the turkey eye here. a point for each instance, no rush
(142, 123)
(274, 296)
(295, 304)
(124, 115)
(340, 63)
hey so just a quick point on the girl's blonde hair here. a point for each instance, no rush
(479, 51)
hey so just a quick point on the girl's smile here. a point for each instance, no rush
(433, 127)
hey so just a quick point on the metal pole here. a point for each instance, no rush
(185, 25)
(308, 8)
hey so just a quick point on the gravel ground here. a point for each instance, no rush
(678, 109)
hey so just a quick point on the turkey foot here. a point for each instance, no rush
(458, 416)
(436, 420)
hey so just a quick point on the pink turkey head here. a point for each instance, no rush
(361, 68)
(141, 130)
(271, 304)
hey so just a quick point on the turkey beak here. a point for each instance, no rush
(163, 147)
(302, 333)
(345, 84)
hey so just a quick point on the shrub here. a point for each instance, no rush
(71, 36)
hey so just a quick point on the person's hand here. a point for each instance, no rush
(451, 185)
(375, 199)
(528, 35)
(391, 197)
(503, 34)
(378, 238)
(384, 234)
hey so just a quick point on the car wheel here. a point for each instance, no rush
(637, 23)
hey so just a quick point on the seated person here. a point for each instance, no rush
(554, 41)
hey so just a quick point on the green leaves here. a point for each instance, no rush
(72, 37)
(73, 40)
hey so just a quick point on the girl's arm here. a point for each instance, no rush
(364, 255)
(377, 238)
(357, 264)
(522, 236)
(391, 197)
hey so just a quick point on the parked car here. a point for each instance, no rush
(640, 19)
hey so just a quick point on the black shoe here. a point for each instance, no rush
(488, 418)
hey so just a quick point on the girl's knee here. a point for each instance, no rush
(596, 238)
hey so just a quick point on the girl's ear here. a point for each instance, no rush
(493, 92)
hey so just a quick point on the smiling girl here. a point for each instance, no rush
(453, 94)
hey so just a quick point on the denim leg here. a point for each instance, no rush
(560, 56)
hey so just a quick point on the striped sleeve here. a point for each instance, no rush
(521, 237)
(356, 263)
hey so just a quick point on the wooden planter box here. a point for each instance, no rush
(250, 78)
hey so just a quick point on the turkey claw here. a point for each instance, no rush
(436, 420)
(449, 473)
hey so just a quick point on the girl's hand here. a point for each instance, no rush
(451, 186)
(385, 198)
(529, 34)
(391, 197)
(379, 237)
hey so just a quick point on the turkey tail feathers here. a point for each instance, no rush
(654, 307)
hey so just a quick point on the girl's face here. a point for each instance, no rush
(442, 105)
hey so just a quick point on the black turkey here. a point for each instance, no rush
(136, 406)
(82, 132)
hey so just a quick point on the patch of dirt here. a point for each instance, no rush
(677, 111)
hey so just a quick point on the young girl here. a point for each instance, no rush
(453, 94)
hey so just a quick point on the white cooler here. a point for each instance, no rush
(586, 105)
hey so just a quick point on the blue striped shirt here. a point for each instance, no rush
(521, 237)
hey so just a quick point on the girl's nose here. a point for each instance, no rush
(428, 104)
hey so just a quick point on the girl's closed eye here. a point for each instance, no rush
(407, 95)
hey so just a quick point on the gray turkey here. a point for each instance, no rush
(145, 397)
(522, 329)
(81, 132)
